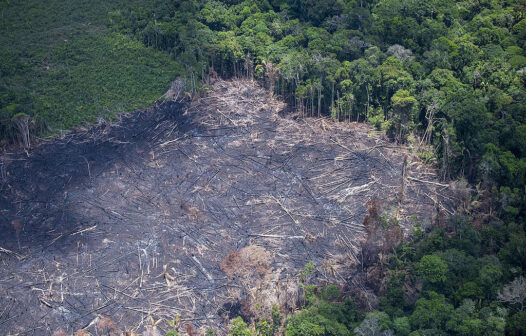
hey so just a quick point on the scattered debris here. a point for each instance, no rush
(200, 209)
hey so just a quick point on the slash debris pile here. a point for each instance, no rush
(203, 210)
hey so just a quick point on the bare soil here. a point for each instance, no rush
(206, 209)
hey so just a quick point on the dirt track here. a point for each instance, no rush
(198, 209)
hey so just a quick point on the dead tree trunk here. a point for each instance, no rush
(175, 91)
(401, 195)
(270, 73)
(445, 155)
(430, 113)
(319, 100)
(311, 101)
(22, 123)
(3, 173)
(338, 102)
(332, 96)
(367, 110)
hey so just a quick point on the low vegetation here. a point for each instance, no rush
(63, 67)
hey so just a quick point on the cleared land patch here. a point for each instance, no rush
(204, 209)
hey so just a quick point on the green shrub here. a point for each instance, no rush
(432, 268)
(401, 326)
(329, 293)
(239, 328)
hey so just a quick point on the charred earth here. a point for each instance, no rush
(204, 209)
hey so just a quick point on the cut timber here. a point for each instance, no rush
(352, 191)
(275, 236)
(428, 182)
(202, 269)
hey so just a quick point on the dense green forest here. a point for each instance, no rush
(446, 77)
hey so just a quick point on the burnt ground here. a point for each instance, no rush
(202, 209)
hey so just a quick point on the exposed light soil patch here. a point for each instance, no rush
(205, 209)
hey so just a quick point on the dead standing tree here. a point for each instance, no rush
(271, 73)
(175, 91)
(22, 122)
(3, 172)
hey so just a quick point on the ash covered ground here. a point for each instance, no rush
(203, 209)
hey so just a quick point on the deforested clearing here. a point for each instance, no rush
(203, 209)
